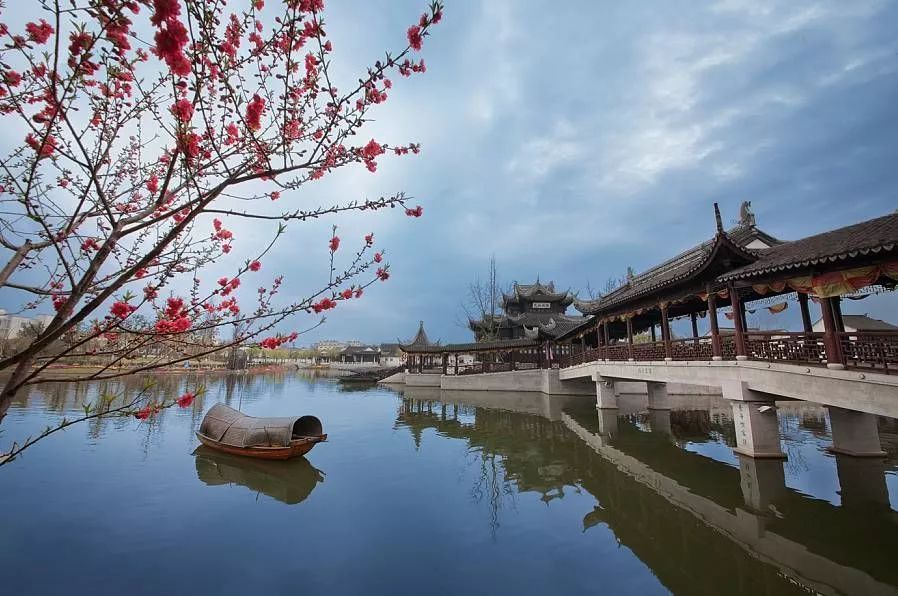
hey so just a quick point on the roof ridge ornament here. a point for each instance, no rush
(718, 220)
(746, 215)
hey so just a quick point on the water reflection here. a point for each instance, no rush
(289, 482)
(702, 525)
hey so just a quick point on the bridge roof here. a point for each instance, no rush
(730, 246)
(874, 239)
(483, 346)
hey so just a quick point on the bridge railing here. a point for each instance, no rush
(877, 350)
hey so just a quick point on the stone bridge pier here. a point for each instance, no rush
(854, 433)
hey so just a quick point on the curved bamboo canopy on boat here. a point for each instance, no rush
(227, 426)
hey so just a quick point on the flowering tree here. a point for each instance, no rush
(148, 128)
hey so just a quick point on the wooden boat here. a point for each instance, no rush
(225, 429)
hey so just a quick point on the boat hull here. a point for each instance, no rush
(296, 448)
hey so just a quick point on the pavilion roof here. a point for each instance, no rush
(538, 291)
(871, 237)
(679, 267)
(483, 346)
(419, 341)
(547, 324)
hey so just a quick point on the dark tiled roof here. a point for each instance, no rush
(878, 235)
(419, 341)
(389, 348)
(538, 291)
(483, 346)
(679, 267)
(352, 350)
(550, 324)
(865, 323)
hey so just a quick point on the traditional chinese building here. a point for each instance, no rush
(532, 311)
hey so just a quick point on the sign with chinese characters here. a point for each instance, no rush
(541, 305)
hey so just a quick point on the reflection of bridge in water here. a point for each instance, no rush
(701, 525)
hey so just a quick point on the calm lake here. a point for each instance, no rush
(422, 492)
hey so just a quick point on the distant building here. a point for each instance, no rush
(391, 355)
(328, 345)
(360, 354)
(859, 323)
(11, 325)
(531, 311)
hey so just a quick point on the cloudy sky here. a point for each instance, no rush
(574, 139)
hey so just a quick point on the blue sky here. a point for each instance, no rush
(574, 139)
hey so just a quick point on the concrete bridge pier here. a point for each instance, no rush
(763, 481)
(757, 428)
(658, 399)
(659, 422)
(854, 433)
(607, 426)
(606, 396)
(862, 482)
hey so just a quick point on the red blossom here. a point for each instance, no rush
(414, 37)
(255, 266)
(144, 413)
(164, 10)
(346, 294)
(383, 274)
(254, 112)
(416, 212)
(153, 183)
(275, 195)
(369, 239)
(45, 149)
(358, 293)
(150, 292)
(185, 400)
(12, 78)
(378, 257)
(183, 110)
(39, 32)
(324, 304)
(334, 243)
(121, 309)
(170, 42)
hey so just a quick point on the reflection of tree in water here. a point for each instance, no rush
(493, 485)
(793, 436)
(511, 452)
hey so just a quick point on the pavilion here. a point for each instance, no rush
(728, 271)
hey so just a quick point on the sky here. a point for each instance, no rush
(574, 139)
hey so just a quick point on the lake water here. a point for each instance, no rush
(419, 492)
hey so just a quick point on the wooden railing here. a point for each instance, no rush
(876, 350)
(780, 346)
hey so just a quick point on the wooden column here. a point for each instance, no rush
(715, 331)
(456, 365)
(654, 338)
(805, 312)
(511, 359)
(607, 338)
(420, 364)
(445, 363)
(630, 337)
(694, 320)
(665, 332)
(837, 314)
(831, 338)
(738, 315)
